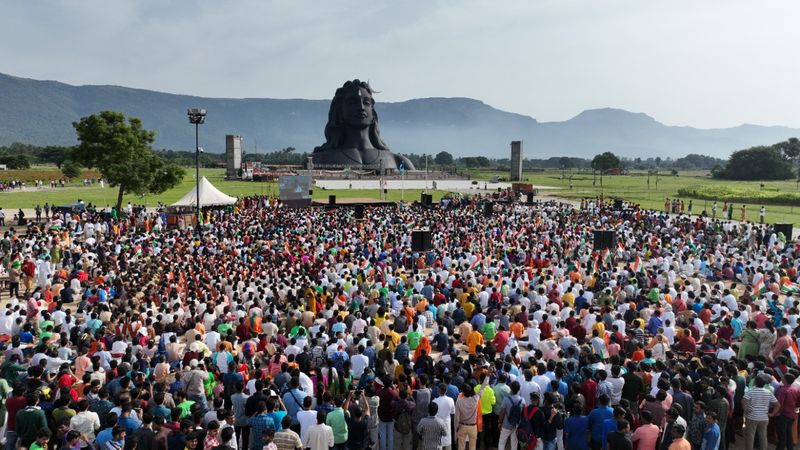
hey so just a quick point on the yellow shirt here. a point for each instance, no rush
(568, 299)
(600, 327)
(469, 308)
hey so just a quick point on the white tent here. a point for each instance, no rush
(209, 196)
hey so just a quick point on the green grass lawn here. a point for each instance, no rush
(108, 196)
(632, 188)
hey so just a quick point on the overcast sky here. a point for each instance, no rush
(684, 62)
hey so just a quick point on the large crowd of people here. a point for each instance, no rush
(270, 328)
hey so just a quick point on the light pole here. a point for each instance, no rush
(197, 116)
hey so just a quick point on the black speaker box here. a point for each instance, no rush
(426, 199)
(529, 198)
(359, 212)
(488, 209)
(785, 228)
(421, 240)
(604, 239)
(331, 199)
(618, 204)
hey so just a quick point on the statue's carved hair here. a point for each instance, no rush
(335, 128)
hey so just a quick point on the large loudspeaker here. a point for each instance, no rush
(421, 240)
(331, 199)
(359, 212)
(529, 198)
(426, 199)
(785, 228)
(488, 209)
(618, 204)
(604, 240)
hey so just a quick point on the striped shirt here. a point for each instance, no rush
(758, 402)
(431, 431)
(287, 440)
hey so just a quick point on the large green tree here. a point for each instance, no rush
(120, 149)
(757, 163)
(443, 159)
(605, 161)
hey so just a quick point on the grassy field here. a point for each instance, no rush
(108, 196)
(633, 187)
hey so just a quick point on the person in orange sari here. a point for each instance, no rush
(424, 345)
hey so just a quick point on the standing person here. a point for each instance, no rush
(357, 422)
(86, 422)
(761, 213)
(789, 398)
(241, 427)
(30, 420)
(403, 423)
(446, 409)
(757, 403)
(319, 436)
(646, 435)
(466, 419)
(596, 418)
(195, 380)
(338, 424)
(553, 421)
(14, 404)
(509, 416)
(576, 429)
(618, 439)
(744, 213)
(711, 436)
(287, 439)
(714, 210)
(431, 429)
(386, 415)
(678, 441)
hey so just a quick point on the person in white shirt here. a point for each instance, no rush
(85, 422)
(318, 436)
(358, 363)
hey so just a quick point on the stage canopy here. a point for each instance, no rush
(209, 196)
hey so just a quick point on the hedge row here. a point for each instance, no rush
(731, 194)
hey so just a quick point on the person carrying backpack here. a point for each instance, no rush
(510, 417)
(530, 424)
(403, 423)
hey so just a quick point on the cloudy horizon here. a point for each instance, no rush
(712, 64)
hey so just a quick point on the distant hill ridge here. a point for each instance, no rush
(42, 112)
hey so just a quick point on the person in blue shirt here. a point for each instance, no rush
(612, 424)
(711, 436)
(576, 428)
(293, 399)
(105, 435)
(277, 414)
(597, 418)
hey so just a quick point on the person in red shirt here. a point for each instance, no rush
(14, 404)
(687, 344)
(545, 328)
(589, 390)
(500, 339)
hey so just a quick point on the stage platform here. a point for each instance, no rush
(346, 202)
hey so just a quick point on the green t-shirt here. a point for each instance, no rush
(36, 446)
(336, 421)
(413, 339)
(489, 331)
(185, 408)
(223, 328)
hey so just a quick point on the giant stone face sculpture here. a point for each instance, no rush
(353, 138)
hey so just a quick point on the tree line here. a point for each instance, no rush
(779, 161)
